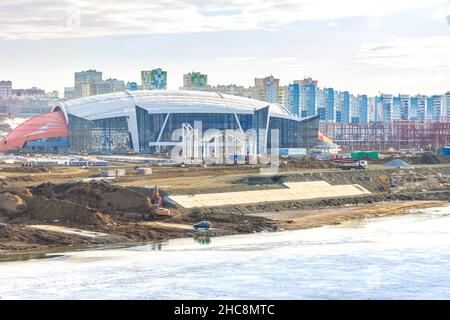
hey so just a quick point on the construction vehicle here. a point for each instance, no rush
(157, 204)
(358, 165)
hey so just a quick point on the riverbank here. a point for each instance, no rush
(306, 219)
(35, 241)
(44, 215)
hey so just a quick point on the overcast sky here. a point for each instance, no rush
(367, 46)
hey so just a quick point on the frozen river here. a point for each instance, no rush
(396, 257)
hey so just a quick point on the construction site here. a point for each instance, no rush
(50, 207)
(65, 201)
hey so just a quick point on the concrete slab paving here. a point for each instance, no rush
(293, 191)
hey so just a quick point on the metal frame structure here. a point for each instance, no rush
(380, 136)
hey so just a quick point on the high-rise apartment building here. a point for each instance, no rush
(363, 108)
(232, 89)
(195, 81)
(330, 114)
(337, 106)
(85, 82)
(308, 105)
(5, 89)
(412, 113)
(69, 93)
(354, 110)
(438, 108)
(388, 104)
(422, 102)
(32, 92)
(109, 86)
(405, 106)
(447, 105)
(395, 112)
(267, 89)
(292, 98)
(320, 104)
(345, 106)
(52, 94)
(155, 79)
(282, 95)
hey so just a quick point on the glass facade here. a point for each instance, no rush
(295, 134)
(56, 144)
(260, 125)
(149, 126)
(220, 121)
(112, 135)
(329, 104)
(345, 103)
(103, 135)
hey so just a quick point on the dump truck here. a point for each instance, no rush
(358, 165)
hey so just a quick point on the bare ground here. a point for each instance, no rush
(121, 211)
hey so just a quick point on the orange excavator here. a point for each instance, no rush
(157, 204)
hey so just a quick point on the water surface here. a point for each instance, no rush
(398, 257)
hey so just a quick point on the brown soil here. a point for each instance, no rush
(55, 210)
(101, 196)
(304, 163)
(37, 169)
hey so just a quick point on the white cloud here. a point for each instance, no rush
(258, 59)
(332, 24)
(442, 13)
(26, 19)
(421, 53)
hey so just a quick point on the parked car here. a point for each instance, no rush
(202, 225)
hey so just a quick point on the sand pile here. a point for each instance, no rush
(397, 163)
(11, 205)
(19, 204)
(101, 196)
(51, 210)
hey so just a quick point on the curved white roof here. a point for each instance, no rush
(166, 101)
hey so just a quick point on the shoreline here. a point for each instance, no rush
(286, 220)
(307, 219)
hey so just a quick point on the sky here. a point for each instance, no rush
(371, 46)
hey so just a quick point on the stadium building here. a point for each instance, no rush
(144, 122)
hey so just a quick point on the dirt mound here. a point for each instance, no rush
(428, 158)
(50, 190)
(24, 178)
(3, 182)
(101, 196)
(16, 190)
(18, 169)
(260, 180)
(304, 162)
(49, 210)
(11, 205)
